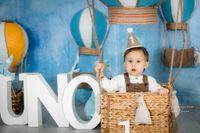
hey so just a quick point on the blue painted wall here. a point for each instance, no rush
(52, 49)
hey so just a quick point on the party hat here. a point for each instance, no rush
(132, 40)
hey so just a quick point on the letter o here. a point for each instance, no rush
(69, 106)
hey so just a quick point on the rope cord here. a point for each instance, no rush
(97, 44)
(92, 15)
(171, 80)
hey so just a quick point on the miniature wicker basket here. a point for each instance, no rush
(17, 101)
(117, 107)
(127, 15)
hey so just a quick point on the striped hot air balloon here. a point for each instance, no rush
(130, 3)
(13, 41)
(177, 12)
(132, 11)
(81, 28)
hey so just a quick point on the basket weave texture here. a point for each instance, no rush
(17, 102)
(117, 107)
(122, 15)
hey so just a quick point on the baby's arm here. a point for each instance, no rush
(112, 85)
(107, 84)
(99, 70)
(155, 87)
(163, 91)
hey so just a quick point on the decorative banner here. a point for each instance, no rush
(14, 42)
(81, 28)
(173, 12)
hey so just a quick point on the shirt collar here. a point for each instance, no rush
(136, 77)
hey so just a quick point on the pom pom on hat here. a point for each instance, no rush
(129, 30)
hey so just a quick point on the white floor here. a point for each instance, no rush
(188, 122)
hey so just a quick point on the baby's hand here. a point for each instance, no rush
(99, 69)
(163, 91)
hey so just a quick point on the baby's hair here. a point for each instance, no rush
(144, 50)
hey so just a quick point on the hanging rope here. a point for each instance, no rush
(185, 43)
(92, 15)
(171, 80)
(181, 59)
(97, 44)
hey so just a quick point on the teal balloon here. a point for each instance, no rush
(168, 10)
(140, 3)
(81, 27)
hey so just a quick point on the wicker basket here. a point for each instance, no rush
(127, 15)
(117, 107)
(17, 102)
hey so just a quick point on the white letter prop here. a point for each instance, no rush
(40, 91)
(7, 114)
(69, 107)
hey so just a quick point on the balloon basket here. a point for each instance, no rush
(177, 26)
(122, 15)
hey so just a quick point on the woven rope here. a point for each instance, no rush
(121, 15)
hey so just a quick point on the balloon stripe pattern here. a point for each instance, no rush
(112, 3)
(74, 30)
(14, 35)
(3, 48)
(144, 3)
(81, 28)
(26, 41)
(170, 9)
(189, 8)
(14, 41)
(130, 3)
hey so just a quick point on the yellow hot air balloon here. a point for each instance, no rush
(13, 41)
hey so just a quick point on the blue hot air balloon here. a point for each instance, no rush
(81, 28)
(171, 8)
(130, 3)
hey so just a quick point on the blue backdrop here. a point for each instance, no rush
(52, 49)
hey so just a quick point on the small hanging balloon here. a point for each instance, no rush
(132, 11)
(13, 42)
(81, 30)
(177, 12)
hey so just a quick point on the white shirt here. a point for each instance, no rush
(117, 83)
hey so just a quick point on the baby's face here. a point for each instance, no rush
(135, 63)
